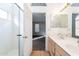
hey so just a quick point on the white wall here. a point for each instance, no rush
(28, 29)
(48, 18)
(39, 9)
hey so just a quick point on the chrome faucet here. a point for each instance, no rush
(60, 35)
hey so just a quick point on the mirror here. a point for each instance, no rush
(60, 20)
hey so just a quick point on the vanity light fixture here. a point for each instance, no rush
(67, 5)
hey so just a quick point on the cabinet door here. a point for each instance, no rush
(55, 50)
(59, 51)
(50, 47)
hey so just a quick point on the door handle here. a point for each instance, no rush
(19, 35)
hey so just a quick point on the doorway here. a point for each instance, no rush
(38, 31)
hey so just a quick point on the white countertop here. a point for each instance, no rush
(69, 44)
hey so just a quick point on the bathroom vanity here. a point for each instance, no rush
(55, 50)
(62, 47)
(61, 39)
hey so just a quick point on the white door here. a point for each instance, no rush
(9, 28)
(18, 20)
(27, 30)
(21, 46)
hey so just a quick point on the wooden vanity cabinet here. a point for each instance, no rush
(59, 51)
(55, 50)
(51, 47)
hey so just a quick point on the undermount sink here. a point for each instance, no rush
(71, 43)
(72, 48)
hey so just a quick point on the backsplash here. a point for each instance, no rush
(63, 31)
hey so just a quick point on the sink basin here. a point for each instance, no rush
(70, 46)
(72, 49)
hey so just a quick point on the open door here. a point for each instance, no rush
(27, 30)
(39, 30)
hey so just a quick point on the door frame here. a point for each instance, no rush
(20, 52)
(45, 28)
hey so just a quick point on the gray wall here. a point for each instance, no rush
(39, 18)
